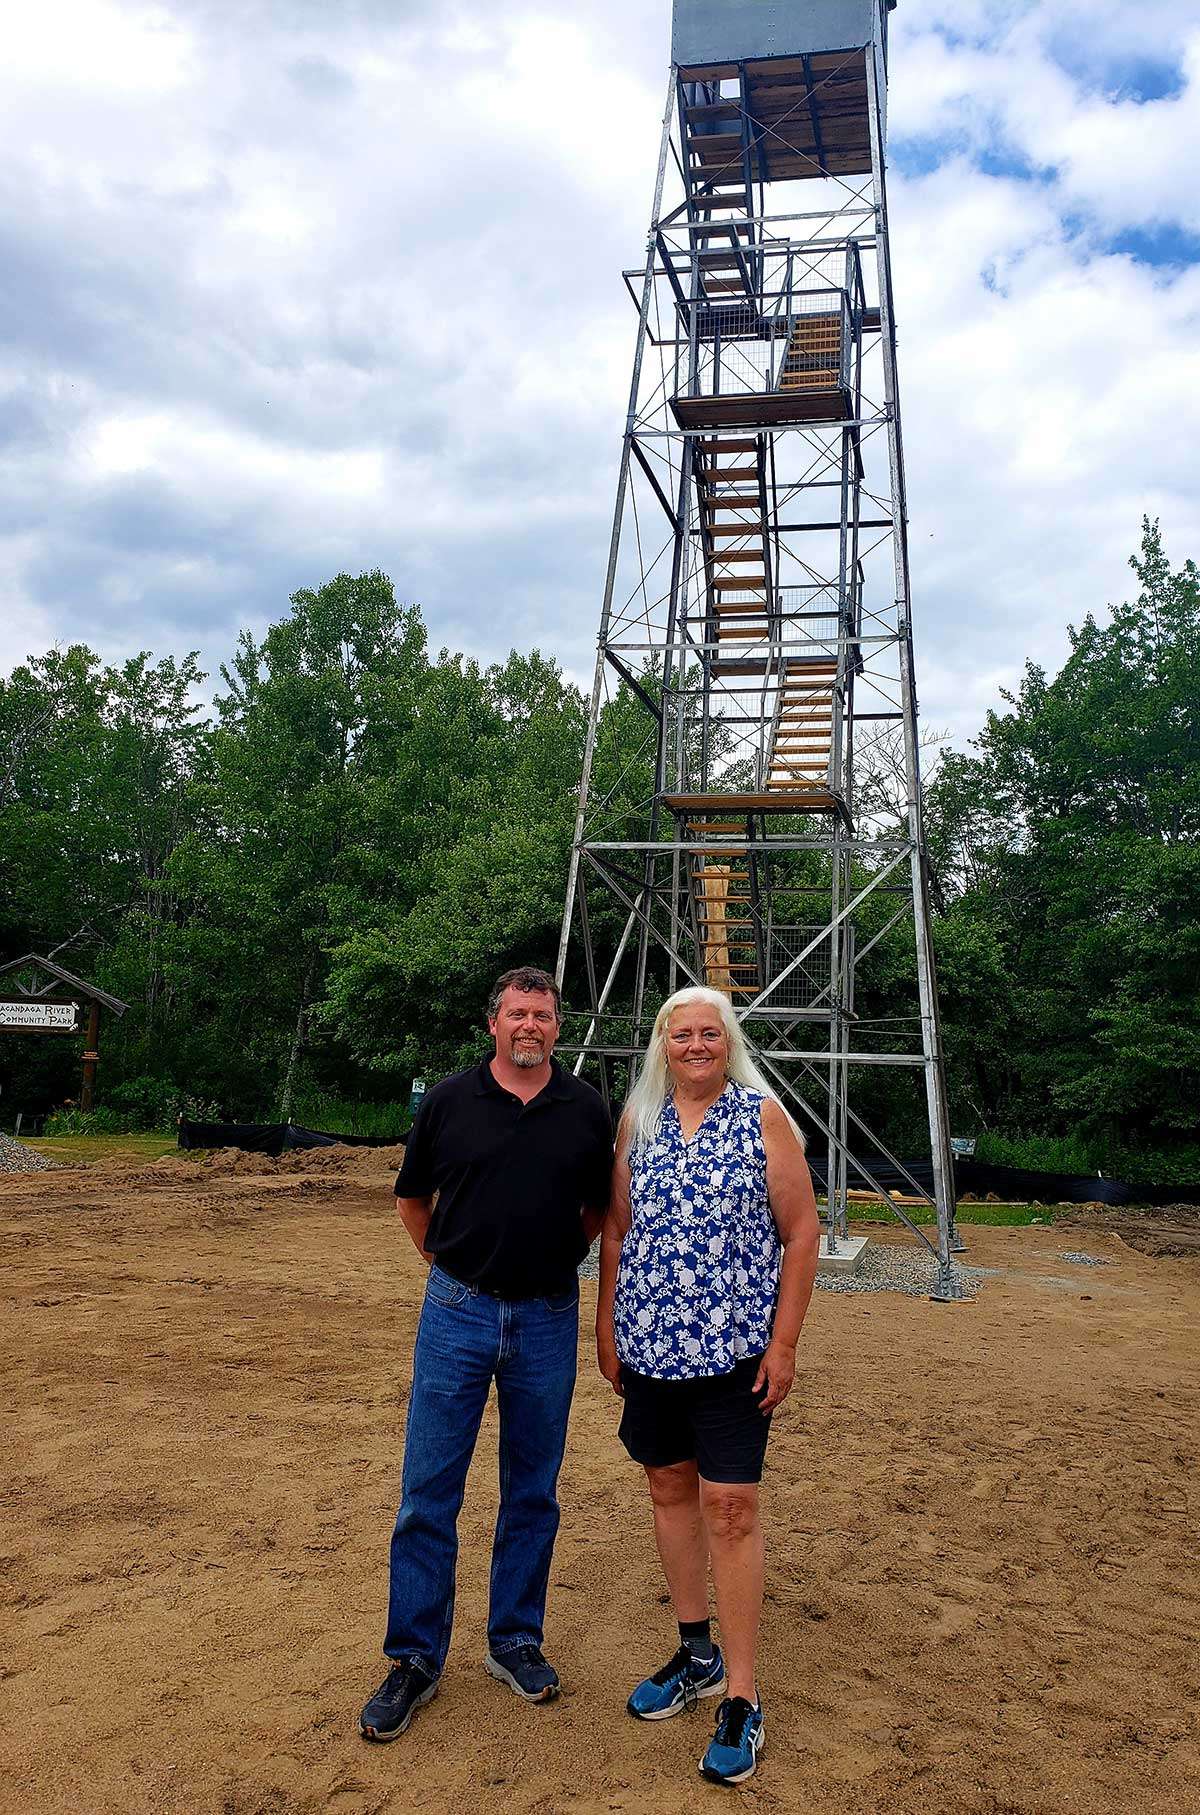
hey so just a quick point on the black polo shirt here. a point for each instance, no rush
(511, 1178)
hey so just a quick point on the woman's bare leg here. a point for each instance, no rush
(679, 1532)
(735, 1545)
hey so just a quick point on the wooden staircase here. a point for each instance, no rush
(802, 747)
(724, 909)
(813, 361)
(730, 491)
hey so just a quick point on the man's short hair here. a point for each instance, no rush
(526, 978)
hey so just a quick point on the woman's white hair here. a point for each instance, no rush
(645, 1102)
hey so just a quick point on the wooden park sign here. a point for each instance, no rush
(40, 1017)
(38, 1008)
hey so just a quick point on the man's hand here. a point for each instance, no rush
(776, 1371)
(606, 1360)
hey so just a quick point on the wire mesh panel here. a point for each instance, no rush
(807, 986)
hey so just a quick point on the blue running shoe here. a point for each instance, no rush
(679, 1684)
(732, 1754)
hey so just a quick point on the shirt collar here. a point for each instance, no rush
(557, 1090)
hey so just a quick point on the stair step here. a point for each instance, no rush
(718, 142)
(743, 554)
(736, 445)
(732, 529)
(811, 381)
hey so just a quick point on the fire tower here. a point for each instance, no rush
(756, 601)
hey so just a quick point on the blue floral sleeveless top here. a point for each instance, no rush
(699, 1269)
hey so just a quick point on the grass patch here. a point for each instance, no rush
(88, 1149)
(1003, 1216)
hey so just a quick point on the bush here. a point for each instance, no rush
(91, 1121)
(142, 1105)
(340, 1115)
(1073, 1153)
(150, 1105)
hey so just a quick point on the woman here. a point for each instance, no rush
(706, 1269)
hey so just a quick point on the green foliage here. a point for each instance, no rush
(305, 894)
(1068, 849)
(341, 1115)
(1038, 1152)
(92, 1121)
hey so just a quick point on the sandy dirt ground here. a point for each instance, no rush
(982, 1583)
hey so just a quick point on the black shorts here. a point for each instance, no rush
(715, 1423)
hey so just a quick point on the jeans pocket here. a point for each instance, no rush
(562, 1301)
(444, 1290)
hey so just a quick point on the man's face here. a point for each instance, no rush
(525, 1026)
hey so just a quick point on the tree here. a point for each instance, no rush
(1072, 840)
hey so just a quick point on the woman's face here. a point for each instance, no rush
(697, 1046)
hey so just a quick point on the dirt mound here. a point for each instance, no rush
(355, 1162)
(1165, 1231)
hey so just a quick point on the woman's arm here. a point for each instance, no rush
(616, 1228)
(794, 1208)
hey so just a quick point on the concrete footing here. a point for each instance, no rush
(849, 1257)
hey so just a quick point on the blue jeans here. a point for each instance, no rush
(466, 1339)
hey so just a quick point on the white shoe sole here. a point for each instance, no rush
(740, 1776)
(502, 1675)
(679, 1706)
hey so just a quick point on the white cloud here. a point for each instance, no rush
(342, 289)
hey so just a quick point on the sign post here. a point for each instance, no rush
(35, 1011)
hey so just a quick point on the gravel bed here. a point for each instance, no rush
(1078, 1258)
(886, 1269)
(883, 1270)
(15, 1156)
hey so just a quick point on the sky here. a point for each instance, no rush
(291, 287)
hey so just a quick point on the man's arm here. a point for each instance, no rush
(794, 1208)
(415, 1213)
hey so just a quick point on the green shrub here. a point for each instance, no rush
(341, 1115)
(1072, 1153)
(91, 1121)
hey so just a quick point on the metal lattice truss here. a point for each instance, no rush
(756, 608)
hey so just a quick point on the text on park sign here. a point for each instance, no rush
(48, 1017)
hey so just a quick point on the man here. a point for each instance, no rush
(519, 1154)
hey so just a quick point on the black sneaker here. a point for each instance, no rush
(388, 1714)
(526, 1672)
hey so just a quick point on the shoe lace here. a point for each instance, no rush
(732, 1716)
(532, 1654)
(683, 1664)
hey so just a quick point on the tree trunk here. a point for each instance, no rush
(289, 1076)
